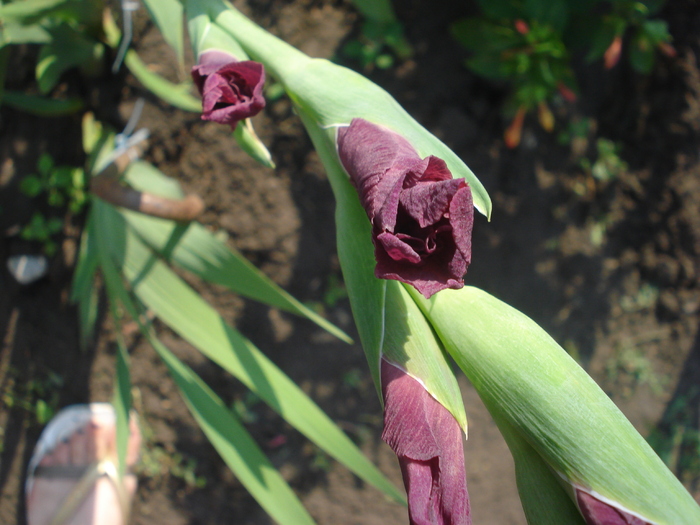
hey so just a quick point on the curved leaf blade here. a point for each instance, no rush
(165, 294)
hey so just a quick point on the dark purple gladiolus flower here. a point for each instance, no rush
(597, 512)
(428, 442)
(422, 218)
(231, 90)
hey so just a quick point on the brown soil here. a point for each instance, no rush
(609, 269)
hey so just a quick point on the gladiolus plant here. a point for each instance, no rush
(405, 206)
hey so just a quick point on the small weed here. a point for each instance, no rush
(244, 407)
(353, 378)
(677, 439)
(630, 368)
(381, 38)
(39, 397)
(646, 298)
(157, 462)
(608, 165)
(335, 291)
(61, 187)
(370, 47)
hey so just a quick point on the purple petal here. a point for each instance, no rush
(398, 249)
(231, 91)
(211, 61)
(428, 442)
(428, 202)
(597, 512)
(421, 217)
(377, 160)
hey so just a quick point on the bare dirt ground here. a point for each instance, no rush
(609, 269)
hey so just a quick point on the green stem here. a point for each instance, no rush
(279, 58)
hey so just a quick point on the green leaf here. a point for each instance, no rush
(355, 251)
(121, 400)
(194, 320)
(235, 445)
(554, 405)
(377, 10)
(486, 39)
(206, 35)
(177, 95)
(83, 290)
(16, 33)
(68, 48)
(543, 497)
(28, 8)
(642, 54)
(250, 143)
(500, 9)
(656, 31)
(168, 16)
(220, 426)
(410, 342)
(197, 250)
(554, 13)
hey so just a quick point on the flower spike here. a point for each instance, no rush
(428, 442)
(422, 218)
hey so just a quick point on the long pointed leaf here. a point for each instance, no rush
(166, 294)
(235, 445)
(197, 250)
(177, 95)
(168, 16)
(83, 290)
(221, 427)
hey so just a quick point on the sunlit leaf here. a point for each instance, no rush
(177, 95)
(194, 320)
(42, 106)
(235, 445)
(168, 16)
(196, 249)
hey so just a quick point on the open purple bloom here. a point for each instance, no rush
(231, 90)
(422, 218)
(428, 442)
(597, 512)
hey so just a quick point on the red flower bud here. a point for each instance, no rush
(566, 92)
(428, 442)
(597, 512)
(231, 90)
(421, 217)
(522, 27)
(612, 54)
(514, 131)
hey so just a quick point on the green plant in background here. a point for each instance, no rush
(63, 188)
(677, 438)
(39, 397)
(380, 29)
(528, 46)
(44, 231)
(603, 35)
(608, 165)
(521, 44)
(631, 368)
(68, 33)
(73, 34)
